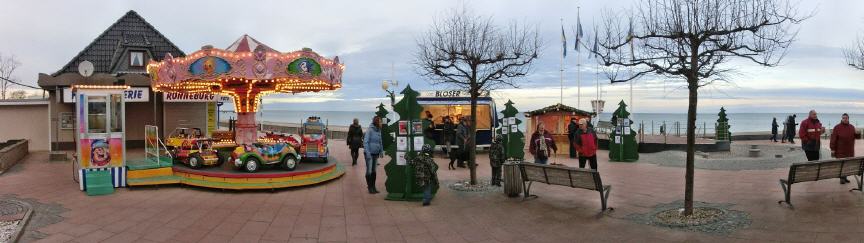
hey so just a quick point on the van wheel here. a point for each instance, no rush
(289, 163)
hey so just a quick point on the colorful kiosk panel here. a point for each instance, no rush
(100, 144)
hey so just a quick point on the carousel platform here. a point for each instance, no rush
(226, 177)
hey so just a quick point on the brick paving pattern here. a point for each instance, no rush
(341, 210)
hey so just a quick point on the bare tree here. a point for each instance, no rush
(18, 94)
(689, 40)
(472, 52)
(855, 54)
(8, 64)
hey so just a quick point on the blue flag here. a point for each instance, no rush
(563, 41)
(578, 33)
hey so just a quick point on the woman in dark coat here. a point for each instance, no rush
(355, 140)
(774, 127)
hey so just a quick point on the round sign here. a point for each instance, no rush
(85, 68)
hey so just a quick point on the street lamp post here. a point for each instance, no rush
(385, 85)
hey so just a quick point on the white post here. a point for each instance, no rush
(561, 98)
(578, 65)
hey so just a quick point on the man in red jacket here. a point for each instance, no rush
(585, 141)
(810, 131)
(843, 141)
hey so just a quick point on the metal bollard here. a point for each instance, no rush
(512, 179)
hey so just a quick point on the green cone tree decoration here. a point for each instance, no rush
(622, 141)
(722, 129)
(400, 177)
(513, 139)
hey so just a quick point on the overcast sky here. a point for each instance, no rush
(370, 36)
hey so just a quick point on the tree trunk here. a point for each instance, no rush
(472, 138)
(691, 143)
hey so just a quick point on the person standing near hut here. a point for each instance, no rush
(373, 147)
(843, 141)
(462, 137)
(586, 144)
(425, 172)
(355, 140)
(448, 129)
(542, 144)
(774, 127)
(429, 130)
(572, 127)
(810, 131)
(496, 159)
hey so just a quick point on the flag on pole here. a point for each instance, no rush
(594, 50)
(563, 41)
(578, 33)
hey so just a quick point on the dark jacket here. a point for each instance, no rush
(449, 131)
(774, 126)
(843, 141)
(571, 130)
(428, 128)
(496, 154)
(425, 169)
(355, 136)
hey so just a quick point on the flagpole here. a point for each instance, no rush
(578, 64)
(561, 98)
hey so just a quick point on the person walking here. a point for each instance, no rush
(774, 127)
(790, 128)
(842, 141)
(355, 140)
(372, 148)
(462, 142)
(586, 144)
(449, 131)
(542, 145)
(425, 172)
(571, 133)
(496, 159)
(810, 131)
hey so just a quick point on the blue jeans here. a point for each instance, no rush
(538, 160)
(427, 193)
(371, 163)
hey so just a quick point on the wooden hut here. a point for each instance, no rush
(555, 119)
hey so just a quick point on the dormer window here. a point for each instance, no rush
(136, 58)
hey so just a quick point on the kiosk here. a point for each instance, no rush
(101, 141)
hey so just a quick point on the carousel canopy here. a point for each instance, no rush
(558, 108)
(246, 75)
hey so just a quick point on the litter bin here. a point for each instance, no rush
(512, 179)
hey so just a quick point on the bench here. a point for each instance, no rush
(820, 170)
(563, 176)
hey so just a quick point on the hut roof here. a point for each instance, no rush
(558, 108)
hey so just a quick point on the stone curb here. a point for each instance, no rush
(19, 230)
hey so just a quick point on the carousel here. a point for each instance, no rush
(247, 71)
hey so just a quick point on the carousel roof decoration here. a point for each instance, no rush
(246, 75)
(558, 108)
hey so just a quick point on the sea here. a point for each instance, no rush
(705, 122)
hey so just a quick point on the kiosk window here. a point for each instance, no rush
(96, 114)
(116, 113)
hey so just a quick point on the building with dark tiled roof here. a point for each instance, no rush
(120, 56)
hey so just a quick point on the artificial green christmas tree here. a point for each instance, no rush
(400, 176)
(513, 139)
(722, 129)
(622, 141)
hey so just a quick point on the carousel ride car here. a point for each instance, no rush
(252, 157)
(190, 147)
(314, 134)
